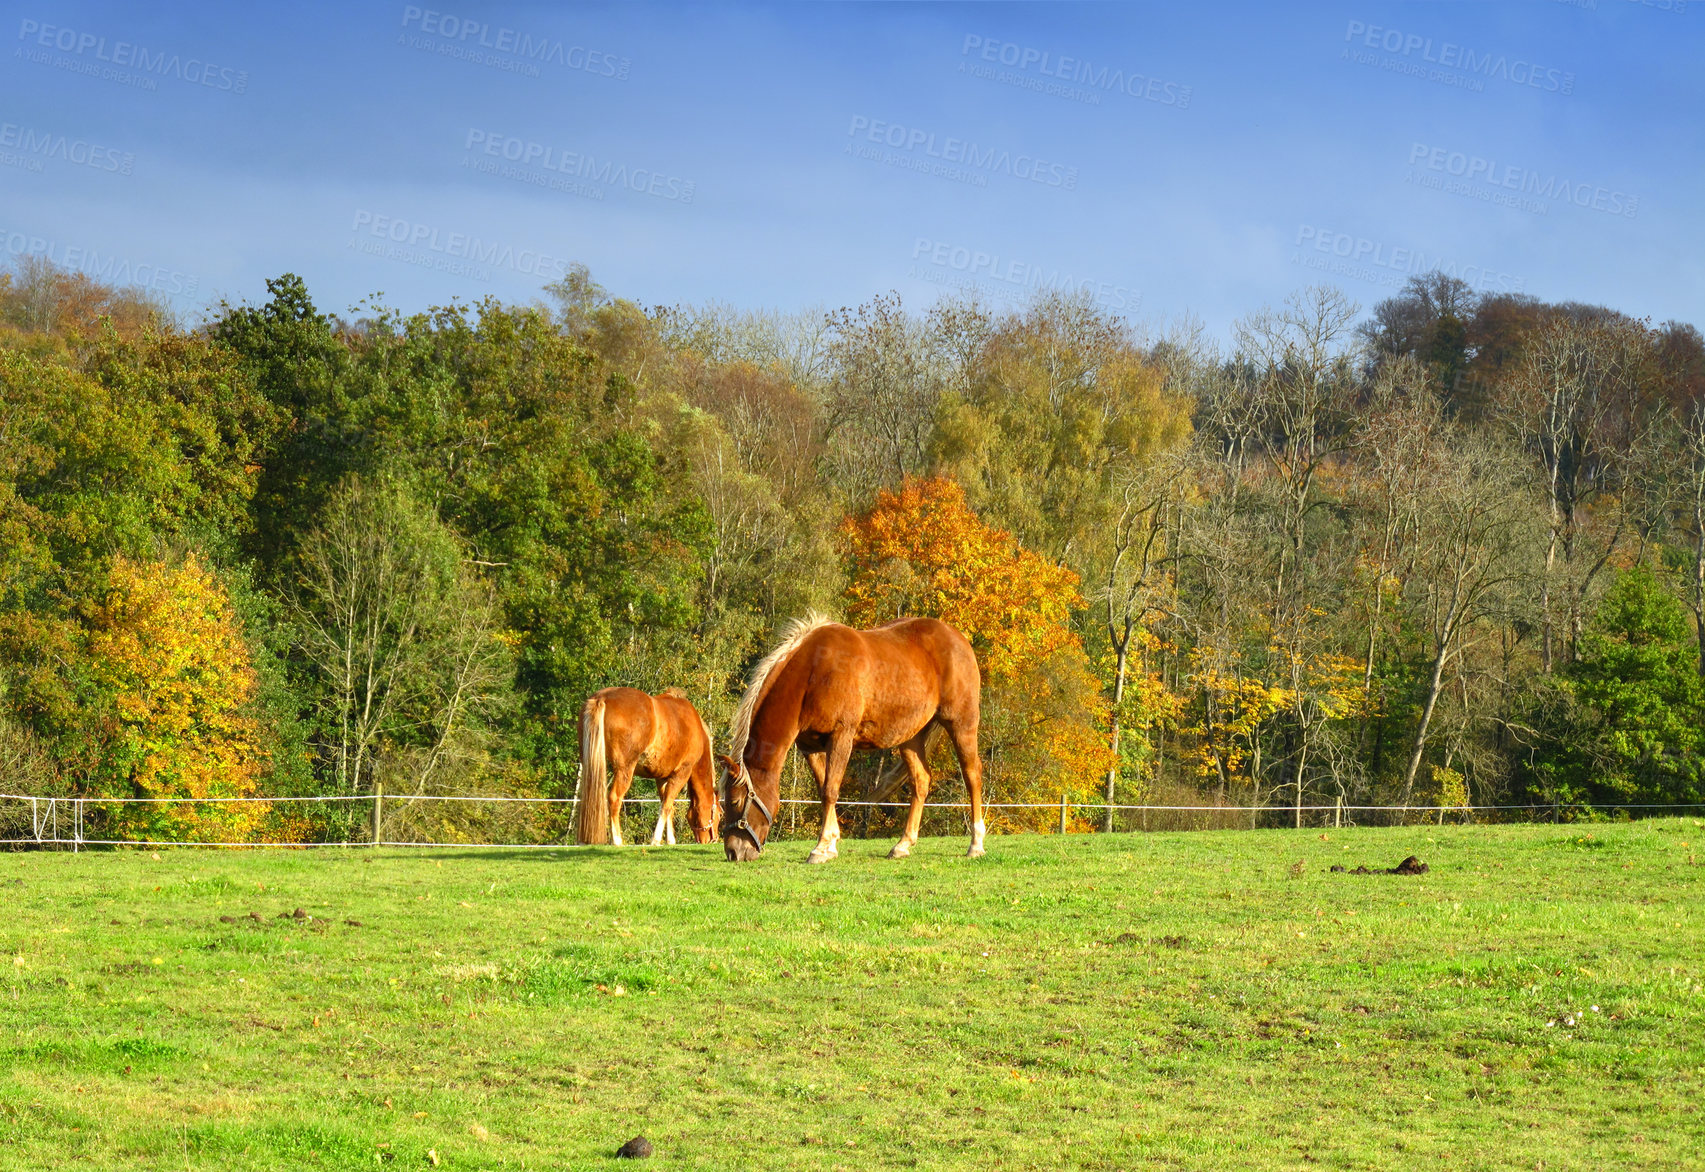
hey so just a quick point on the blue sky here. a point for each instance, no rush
(1171, 159)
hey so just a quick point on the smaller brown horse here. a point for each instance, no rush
(626, 732)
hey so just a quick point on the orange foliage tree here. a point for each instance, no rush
(922, 551)
(168, 657)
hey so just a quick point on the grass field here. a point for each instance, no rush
(1209, 1000)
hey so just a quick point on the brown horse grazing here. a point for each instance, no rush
(660, 736)
(831, 689)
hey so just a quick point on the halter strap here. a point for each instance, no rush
(744, 779)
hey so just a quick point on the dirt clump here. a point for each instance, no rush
(1409, 866)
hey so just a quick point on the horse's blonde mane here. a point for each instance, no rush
(741, 727)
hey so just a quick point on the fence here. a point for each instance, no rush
(63, 821)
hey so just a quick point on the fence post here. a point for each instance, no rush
(1338, 817)
(378, 809)
(77, 827)
(1062, 813)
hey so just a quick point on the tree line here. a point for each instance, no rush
(1449, 553)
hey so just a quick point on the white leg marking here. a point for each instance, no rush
(657, 835)
(826, 848)
(977, 832)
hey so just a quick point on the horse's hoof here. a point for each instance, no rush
(900, 851)
(819, 856)
(975, 852)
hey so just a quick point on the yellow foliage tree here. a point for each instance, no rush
(1235, 706)
(1309, 688)
(168, 656)
(922, 551)
(1452, 789)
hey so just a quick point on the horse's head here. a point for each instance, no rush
(751, 805)
(703, 810)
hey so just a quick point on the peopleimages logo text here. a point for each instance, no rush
(106, 267)
(1474, 169)
(1449, 55)
(543, 157)
(43, 144)
(1345, 254)
(125, 55)
(469, 33)
(430, 241)
(963, 152)
(980, 267)
(1075, 70)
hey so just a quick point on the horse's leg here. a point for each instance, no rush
(667, 791)
(818, 763)
(971, 765)
(912, 753)
(829, 768)
(701, 797)
(618, 790)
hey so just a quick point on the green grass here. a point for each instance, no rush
(1209, 1000)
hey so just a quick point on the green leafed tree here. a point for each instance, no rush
(1631, 724)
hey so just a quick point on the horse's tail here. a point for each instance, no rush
(593, 825)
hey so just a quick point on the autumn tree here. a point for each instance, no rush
(1136, 589)
(1681, 355)
(1428, 323)
(110, 446)
(173, 681)
(922, 551)
(1046, 406)
(1302, 387)
(1576, 401)
(41, 296)
(881, 396)
(793, 344)
(1401, 428)
(1468, 552)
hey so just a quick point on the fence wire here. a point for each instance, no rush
(61, 820)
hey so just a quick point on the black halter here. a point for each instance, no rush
(744, 780)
